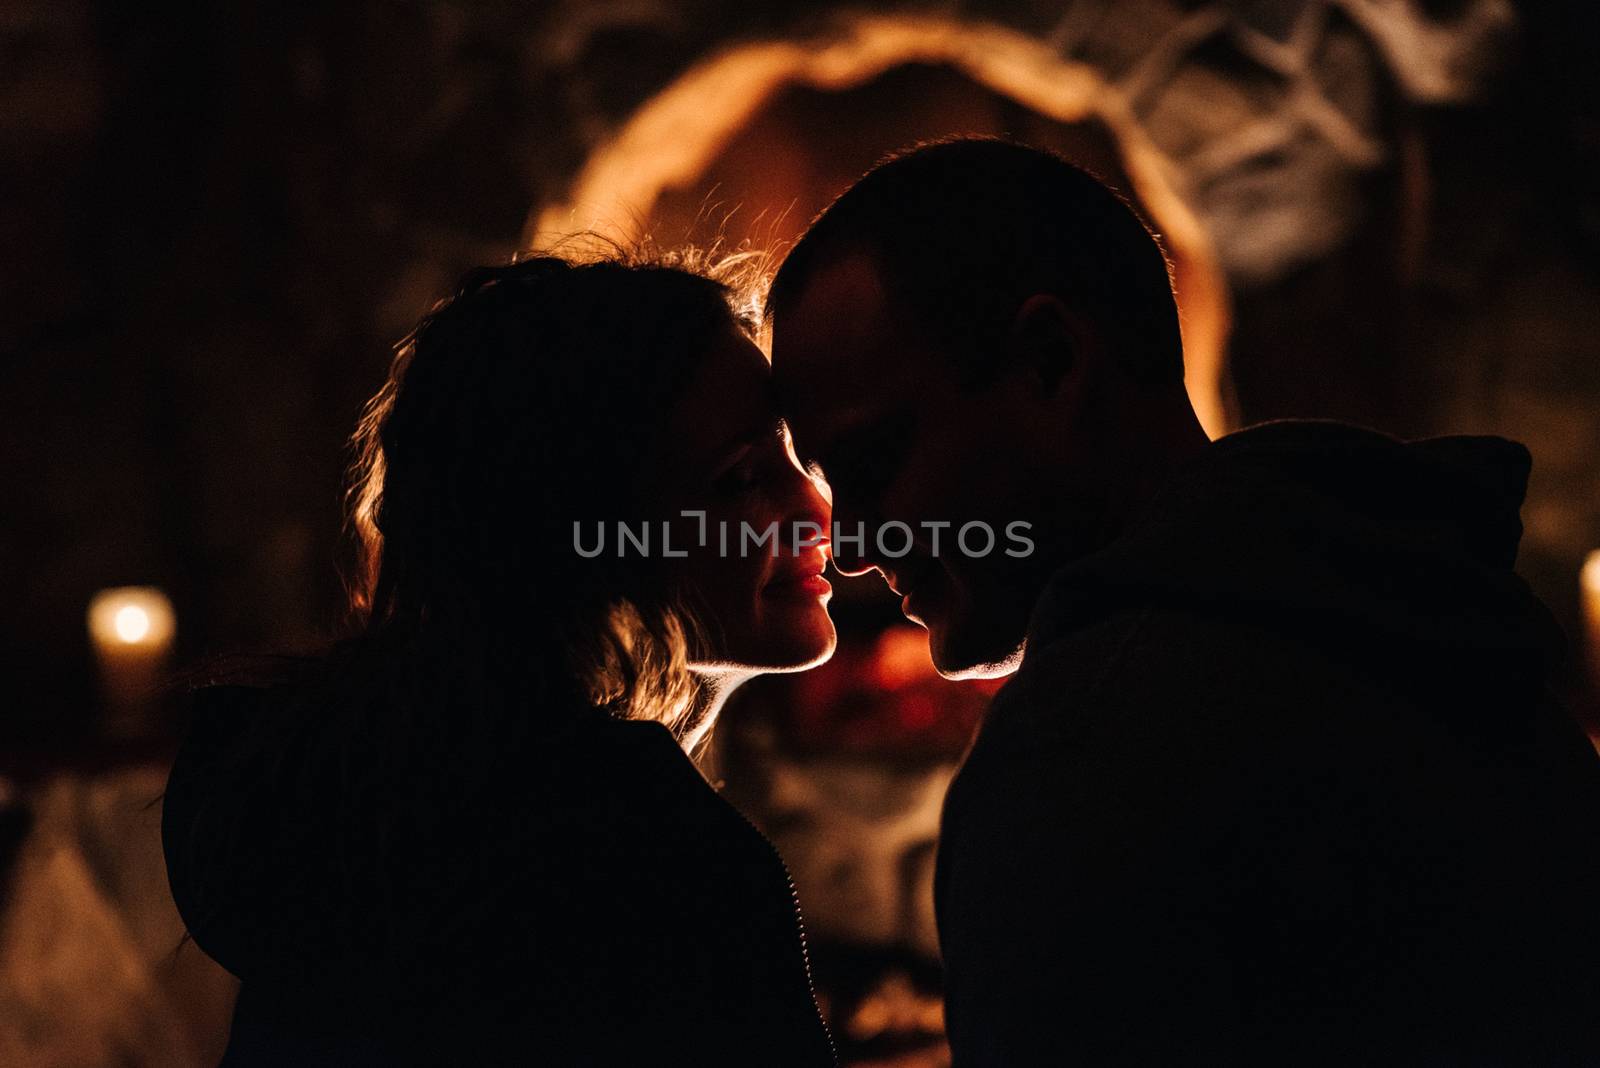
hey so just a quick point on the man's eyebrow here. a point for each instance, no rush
(870, 435)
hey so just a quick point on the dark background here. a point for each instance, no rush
(218, 219)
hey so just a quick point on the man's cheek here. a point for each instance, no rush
(918, 493)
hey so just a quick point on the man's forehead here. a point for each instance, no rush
(836, 334)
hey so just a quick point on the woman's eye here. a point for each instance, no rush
(736, 479)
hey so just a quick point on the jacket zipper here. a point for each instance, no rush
(800, 928)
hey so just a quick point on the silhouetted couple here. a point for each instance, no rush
(1277, 778)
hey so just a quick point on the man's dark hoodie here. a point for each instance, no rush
(1280, 780)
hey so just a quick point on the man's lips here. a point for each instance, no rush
(909, 587)
(905, 585)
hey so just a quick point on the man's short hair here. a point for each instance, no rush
(963, 231)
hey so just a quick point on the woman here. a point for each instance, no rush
(471, 834)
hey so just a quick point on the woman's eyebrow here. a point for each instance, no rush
(752, 434)
(786, 436)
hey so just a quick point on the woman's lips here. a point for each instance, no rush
(808, 585)
(800, 575)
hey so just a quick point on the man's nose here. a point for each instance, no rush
(852, 541)
(850, 564)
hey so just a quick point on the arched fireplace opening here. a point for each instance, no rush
(747, 145)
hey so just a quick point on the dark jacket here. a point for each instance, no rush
(1280, 781)
(596, 904)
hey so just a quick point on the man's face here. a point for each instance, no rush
(904, 443)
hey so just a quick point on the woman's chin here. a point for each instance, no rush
(789, 641)
(817, 653)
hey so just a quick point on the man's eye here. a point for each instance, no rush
(876, 469)
(868, 461)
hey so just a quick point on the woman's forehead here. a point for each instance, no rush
(729, 399)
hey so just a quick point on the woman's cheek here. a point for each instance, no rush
(723, 554)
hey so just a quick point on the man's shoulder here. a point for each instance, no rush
(1175, 673)
(1068, 671)
(1161, 724)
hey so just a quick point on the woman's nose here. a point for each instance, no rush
(805, 500)
(848, 534)
(813, 501)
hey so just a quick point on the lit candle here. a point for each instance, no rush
(1590, 582)
(132, 629)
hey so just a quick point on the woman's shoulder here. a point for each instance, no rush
(216, 719)
(623, 793)
(637, 765)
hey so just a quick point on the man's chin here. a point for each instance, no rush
(960, 660)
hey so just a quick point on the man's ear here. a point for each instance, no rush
(1049, 340)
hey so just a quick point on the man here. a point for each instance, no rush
(1277, 778)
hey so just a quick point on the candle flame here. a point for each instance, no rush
(131, 617)
(1591, 574)
(132, 623)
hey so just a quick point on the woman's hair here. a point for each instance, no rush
(519, 409)
(525, 402)
(522, 404)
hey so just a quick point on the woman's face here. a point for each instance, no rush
(727, 454)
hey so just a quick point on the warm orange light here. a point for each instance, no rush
(136, 617)
(673, 139)
(896, 1006)
(132, 623)
(900, 658)
(131, 628)
(1589, 582)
